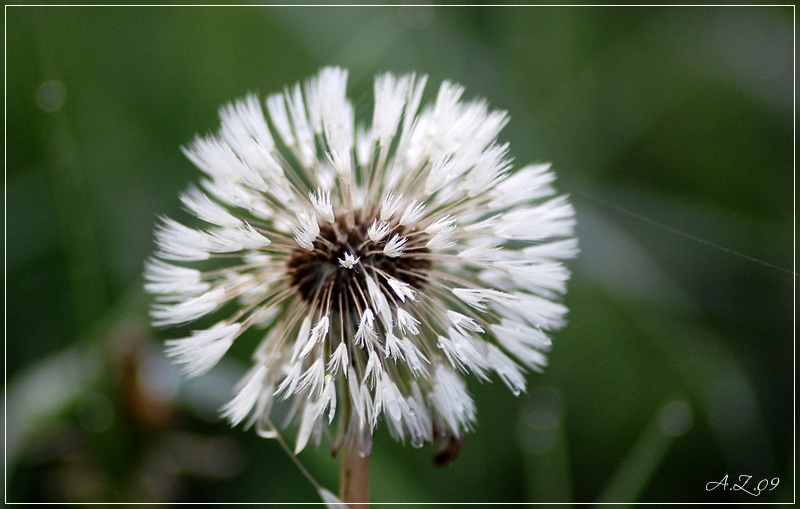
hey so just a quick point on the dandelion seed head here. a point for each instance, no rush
(402, 256)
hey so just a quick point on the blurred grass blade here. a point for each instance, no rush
(633, 474)
(43, 391)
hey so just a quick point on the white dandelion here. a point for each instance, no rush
(387, 261)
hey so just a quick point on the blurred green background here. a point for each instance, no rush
(676, 368)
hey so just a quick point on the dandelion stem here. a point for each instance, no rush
(354, 475)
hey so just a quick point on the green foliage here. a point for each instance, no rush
(675, 371)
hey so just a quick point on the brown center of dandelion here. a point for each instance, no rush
(317, 274)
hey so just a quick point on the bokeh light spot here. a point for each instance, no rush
(676, 419)
(51, 96)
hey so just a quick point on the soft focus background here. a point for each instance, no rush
(677, 366)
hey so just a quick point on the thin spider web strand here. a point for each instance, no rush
(680, 232)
